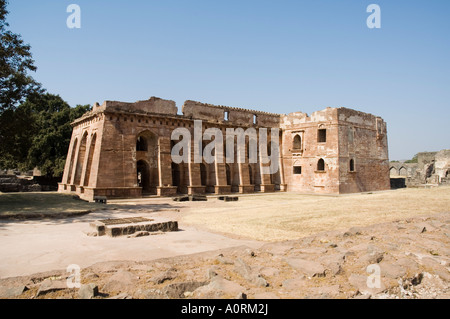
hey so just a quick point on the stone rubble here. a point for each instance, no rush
(394, 260)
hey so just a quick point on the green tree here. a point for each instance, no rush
(15, 63)
(15, 86)
(39, 133)
(50, 117)
(413, 160)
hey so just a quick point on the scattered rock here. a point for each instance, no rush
(11, 292)
(121, 281)
(361, 282)
(333, 263)
(308, 267)
(88, 291)
(354, 231)
(269, 272)
(177, 290)
(241, 295)
(246, 272)
(211, 273)
(296, 284)
(218, 288)
(223, 260)
(122, 295)
(163, 277)
(49, 285)
(392, 270)
(250, 252)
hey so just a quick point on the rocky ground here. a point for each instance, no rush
(411, 257)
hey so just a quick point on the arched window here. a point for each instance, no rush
(250, 174)
(297, 144)
(141, 144)
(352, 165)
(321, 165)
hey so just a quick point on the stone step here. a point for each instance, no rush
(129, 226)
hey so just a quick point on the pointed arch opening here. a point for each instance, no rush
(72, 159)
(147, 155)
(228, 173)
(87, 177)
(143, 176)
(203, 174)
(321, 165)
(297, 142)
(80, 160)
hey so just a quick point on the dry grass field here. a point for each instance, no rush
(286, 216)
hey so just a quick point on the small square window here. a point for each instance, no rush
(297, 170)
(322, 135)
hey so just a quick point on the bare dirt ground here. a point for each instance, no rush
(268, 246)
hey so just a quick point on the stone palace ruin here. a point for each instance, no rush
(123, 150)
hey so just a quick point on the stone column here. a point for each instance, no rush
(244, 176)
(195, 183)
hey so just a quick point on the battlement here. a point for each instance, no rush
(233, 115)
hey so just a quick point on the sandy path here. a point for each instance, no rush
(29, 247)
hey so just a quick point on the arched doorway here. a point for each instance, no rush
(72, 159)
(90, 159)
(143, 176)
(250, 174)
(80, 160)
(176, 177)
(203, 174)
(147, 153)
(228, 173)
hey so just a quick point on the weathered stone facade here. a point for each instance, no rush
(431, 168)
(124, 150)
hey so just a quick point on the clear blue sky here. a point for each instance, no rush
(276, 56)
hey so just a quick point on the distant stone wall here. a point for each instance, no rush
(13, 184)
(431, 168)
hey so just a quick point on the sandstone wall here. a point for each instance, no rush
(363, 140)
(311, 151)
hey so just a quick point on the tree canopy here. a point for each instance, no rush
(39, 133)
(15, 63)
(35, 128)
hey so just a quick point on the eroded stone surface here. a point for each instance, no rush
(414, 265)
